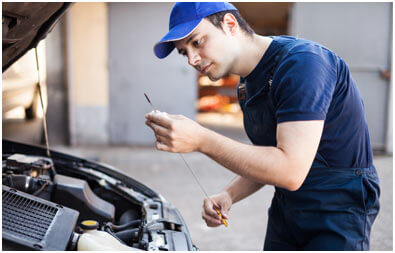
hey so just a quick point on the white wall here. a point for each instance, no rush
(134, 28)
(87, 73)
(361, 34)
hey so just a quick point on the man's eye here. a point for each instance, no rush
(197, 42)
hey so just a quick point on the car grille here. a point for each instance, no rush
(32, 223)
(25, 217)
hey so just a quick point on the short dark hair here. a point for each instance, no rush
(217, 18)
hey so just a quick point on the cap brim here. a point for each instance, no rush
(164, 47)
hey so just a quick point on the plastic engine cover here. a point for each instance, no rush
(76, 193)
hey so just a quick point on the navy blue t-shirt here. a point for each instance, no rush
(312, 83)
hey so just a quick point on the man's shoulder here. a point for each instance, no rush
(299, 50)
(305, 58)
(308, 47)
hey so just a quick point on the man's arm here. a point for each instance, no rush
(240, 188)
(284, 166)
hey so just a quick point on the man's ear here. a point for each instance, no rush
(230, 24)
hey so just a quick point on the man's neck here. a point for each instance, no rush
(252, 51)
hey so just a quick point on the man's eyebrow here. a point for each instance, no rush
(190, 38)
(180, 51)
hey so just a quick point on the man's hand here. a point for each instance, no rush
(223, 202)
(175, 133)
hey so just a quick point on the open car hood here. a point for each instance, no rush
(25, 25)
(53, 203)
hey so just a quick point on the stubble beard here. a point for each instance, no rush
(220, 75)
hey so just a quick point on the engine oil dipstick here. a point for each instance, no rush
(194, 175)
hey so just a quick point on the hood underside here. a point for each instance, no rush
(25, 24)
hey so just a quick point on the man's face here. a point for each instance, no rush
(208, 49)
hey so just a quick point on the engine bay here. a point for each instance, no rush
(112, 213)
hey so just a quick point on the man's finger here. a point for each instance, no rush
(225, 214)
(162, 146)
(159, 130)
(210, 221)
(163, 139)
(209, 208)
(213, 204)
(159, 119)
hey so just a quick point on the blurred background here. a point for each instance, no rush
(98, 61)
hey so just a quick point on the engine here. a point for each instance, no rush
(47, 210)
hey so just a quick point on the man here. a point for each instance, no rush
(304, 115)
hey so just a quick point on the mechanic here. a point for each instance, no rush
(305, 117)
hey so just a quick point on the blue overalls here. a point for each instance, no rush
(334, 208)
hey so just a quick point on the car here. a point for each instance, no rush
(55, 201)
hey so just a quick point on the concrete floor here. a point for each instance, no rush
(166, 174)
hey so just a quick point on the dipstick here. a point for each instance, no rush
(193, 174)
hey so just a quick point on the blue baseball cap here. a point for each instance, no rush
(184, 18)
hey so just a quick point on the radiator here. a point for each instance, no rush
(29, 222)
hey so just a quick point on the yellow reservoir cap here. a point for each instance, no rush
(89, 224)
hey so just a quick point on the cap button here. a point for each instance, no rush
(89, 224)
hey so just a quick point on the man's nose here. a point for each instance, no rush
(193, 59)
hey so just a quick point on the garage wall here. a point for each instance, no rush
(361, 34)
(87, 73)
(134, 69)
(58, 131)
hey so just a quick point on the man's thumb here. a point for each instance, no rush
(224, 213)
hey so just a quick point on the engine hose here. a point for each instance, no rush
(41, 189)
(126, 225)
(52, 172)
(127, 235)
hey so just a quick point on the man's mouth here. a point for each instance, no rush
(204, 70)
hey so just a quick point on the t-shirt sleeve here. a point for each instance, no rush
(303, 87)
